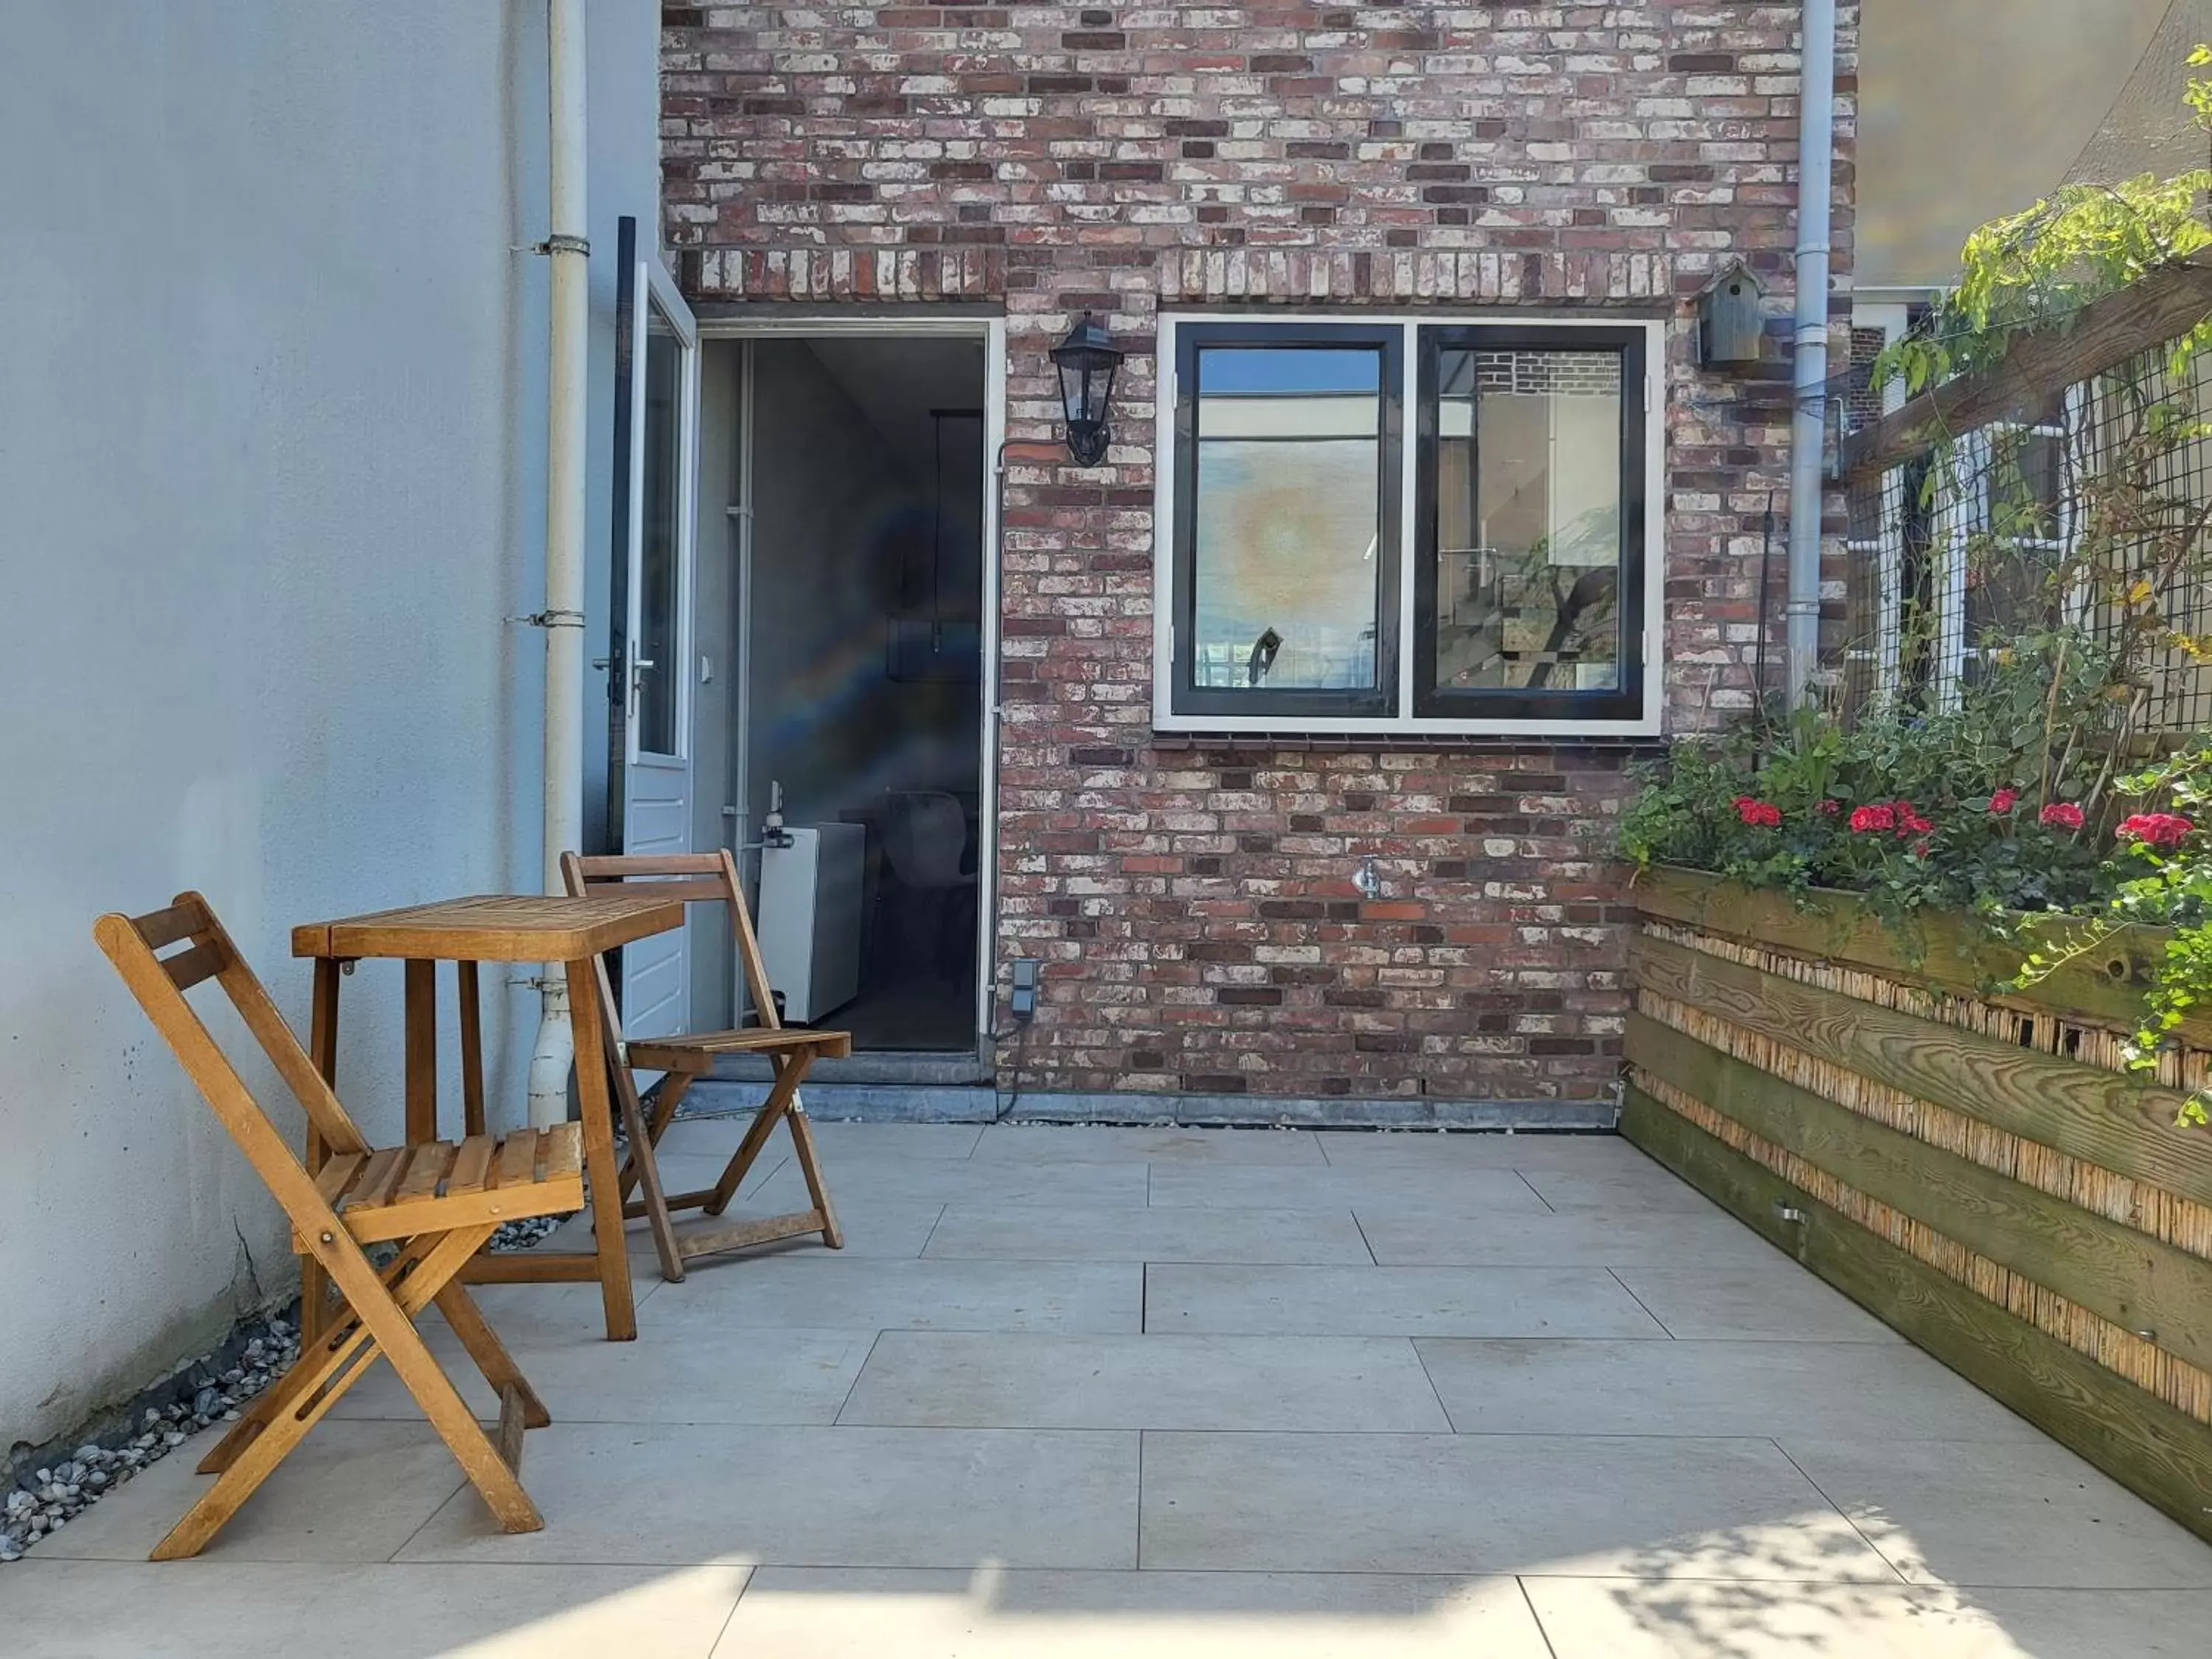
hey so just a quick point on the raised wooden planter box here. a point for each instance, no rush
(1978, 1170)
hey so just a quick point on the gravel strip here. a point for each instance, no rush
(48, 1498)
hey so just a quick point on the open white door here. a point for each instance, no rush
(657, 772)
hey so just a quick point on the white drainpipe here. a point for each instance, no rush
(554, 1055)
(1815, 207)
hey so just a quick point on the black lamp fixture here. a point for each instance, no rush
(1087, 360)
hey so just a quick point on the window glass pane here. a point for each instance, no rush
(1529, 522)
(656, 644)
(1288, 515)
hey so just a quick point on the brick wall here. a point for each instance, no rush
(1196, 903)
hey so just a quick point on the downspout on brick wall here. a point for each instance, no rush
(1815, 212)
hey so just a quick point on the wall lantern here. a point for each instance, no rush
(1087, 360)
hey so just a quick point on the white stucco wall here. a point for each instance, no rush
(272, 444)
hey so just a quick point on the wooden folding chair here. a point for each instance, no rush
(437, 1202)
(706, 879)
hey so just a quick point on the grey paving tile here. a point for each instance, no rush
(350, 1491)
(1591, 1154)
(831, 1613)
(1267, 1301)
(1381, 1189)
(1773, 1301)
(1036, 1143)
(719, 1137)
(2030, 1514)
(1302, 1383)
(1065, 1233)
(1637, 1508)
(698, 1374)
(960, 1181)
(814, 1292)
(1592, 1238)
(249, 1610)
(1710, 1388)
(1622, 1618)
(1620, 1191)
(638, 1494)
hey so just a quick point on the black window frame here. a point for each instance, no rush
(1625, 702)
(1290, 705)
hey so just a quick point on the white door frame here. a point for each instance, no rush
(992, 331)
(654, 291)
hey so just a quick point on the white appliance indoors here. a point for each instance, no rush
(809, 917)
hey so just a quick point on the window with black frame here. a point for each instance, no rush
(1523, 552)
(1288, 482)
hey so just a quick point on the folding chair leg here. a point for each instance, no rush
(490, 1354)
(789, 1071)
(322, 1377)
(673, 1087)
(647, 1163)
(287, 1391)
(802, 1142)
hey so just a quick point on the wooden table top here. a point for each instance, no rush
(494, 927)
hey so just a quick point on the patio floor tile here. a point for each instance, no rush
(1405, 1238)
(1621, 1191)
(351, 1491)
(770, 1376)
(821, 1292)
(1429, 1149)
(1373, 1503)
(1710, 1388)
(1064, 1233)
(827, 1613)
(2027, 1515)
(1618, 1618)
(1226, 1300)
(1038, 1143)
(1304, 1383)
(1772, 1300)
(811, 1497)
(1382, 1188)
(247, 1610)
(956, 1181)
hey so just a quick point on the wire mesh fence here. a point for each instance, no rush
(2085, 514)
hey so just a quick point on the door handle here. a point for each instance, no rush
(637, 667)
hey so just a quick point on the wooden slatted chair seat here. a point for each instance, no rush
(710, 879)
(404, 1190)
(439, 1203)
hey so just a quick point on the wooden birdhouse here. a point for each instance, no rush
(1731, 327)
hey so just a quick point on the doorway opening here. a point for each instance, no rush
(857, 766)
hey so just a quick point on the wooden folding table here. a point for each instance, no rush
(569, 932)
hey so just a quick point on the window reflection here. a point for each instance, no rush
(1529, 522)
(1288, 517)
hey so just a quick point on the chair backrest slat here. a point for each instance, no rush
(188, 968)
(655, 871)
(160, 984)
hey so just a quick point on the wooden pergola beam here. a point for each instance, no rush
(2039, 367)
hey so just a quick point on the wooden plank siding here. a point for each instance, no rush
(2035, 1221)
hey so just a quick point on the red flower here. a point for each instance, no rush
(1763, 815)
(2063, 815)
(1873, 818)
(2155, 829)
(1830, 808)
(1909, 821)
(2004, 801)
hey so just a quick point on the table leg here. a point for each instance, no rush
(590, 1028)
(323, 1049)
(472, 1106)
(422, 1012)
